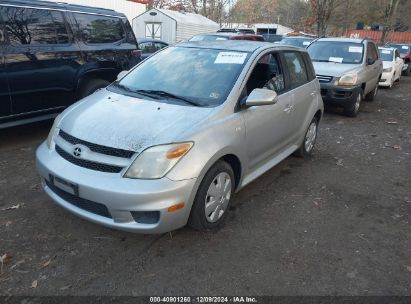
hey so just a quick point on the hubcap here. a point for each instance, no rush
(218, 197)
(310, 137)
(357, 103)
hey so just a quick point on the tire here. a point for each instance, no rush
(353, 109)
(310, 137)
(407, 72)
(91, 86)
(220, 175)
(371, 95)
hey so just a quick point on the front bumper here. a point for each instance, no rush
(339, 95)
(386, 78)
(120, 196)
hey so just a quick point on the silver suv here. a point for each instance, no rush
(172, 140)
(349, 71)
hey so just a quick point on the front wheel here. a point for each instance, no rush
(353, 109)
(310, 138)
(213, 197)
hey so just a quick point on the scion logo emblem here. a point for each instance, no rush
(77, 152)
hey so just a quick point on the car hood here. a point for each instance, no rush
(129, 123)
(334, 69)
(387, 64)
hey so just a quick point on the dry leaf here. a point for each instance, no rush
(12, 207)
(396, 147)
(65, 287)
(392, 122)
(47, 263)
(34, 284)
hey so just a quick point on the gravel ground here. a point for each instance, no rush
(337, 224)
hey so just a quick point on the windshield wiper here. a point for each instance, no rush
(127, 89)
(167, 94)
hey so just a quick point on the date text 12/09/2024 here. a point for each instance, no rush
(236, 299)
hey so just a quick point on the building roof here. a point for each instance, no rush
(183, 17)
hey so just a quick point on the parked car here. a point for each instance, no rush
(405, 53)
(171, 141)
(392, 64)
(299, 41)
(150, 46)
(226, 36)
(53, 54)
(349, 71)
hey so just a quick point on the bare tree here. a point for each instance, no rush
(390, 8)
(322, 9)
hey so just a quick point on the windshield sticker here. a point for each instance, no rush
(230, 58)
(355, 49)
(404, 47)
(386, 52)
(306, 42)
(336, 59)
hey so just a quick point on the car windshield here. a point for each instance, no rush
(335, 51)
(404, 49)
(192, 76)
(208, 38)
(386, 55)
(299, 42)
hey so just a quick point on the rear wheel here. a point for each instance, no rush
(91, 86)
(213, 197)
(353, 109)
(310, 138)
(371, 95)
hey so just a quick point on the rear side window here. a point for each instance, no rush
(99, 29)
(26, 26)
(296, 68)
(372, 52)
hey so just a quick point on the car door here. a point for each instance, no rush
(398, 63)
(5, 104)
(40, 61)
(267, 127)
(303, 88)
(373, 67)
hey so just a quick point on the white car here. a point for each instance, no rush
(392, 64)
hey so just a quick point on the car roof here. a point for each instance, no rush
(237, 45)
(338, 39)
(142, 40)
(62, 6)
(229, 34)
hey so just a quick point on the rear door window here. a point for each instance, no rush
(372, 52)
(99, 29)
(297, 69)
(27, 26)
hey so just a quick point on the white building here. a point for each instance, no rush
(128, 8)
(171, 26)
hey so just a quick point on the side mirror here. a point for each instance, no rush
(261, 97)
(370, 61)
(121, 75)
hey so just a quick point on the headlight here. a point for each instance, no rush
(53, 131)
(347, 80)
(387, 70)
(157, 161)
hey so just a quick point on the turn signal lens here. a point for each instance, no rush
(178, 151)
(176, 207)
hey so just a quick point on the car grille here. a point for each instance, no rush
(96, 148)
(79, 202)
(88, 164)
(324, 79)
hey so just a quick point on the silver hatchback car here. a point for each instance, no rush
(172, 140)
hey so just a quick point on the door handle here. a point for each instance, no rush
(313, 93)
(288, 108)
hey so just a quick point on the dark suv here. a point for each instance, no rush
(53, 54)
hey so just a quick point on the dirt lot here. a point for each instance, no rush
(338, 224)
